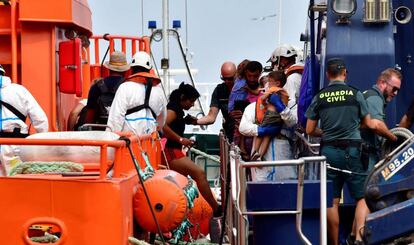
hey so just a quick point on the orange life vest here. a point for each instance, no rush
(143, 77)
(294, 69)
(150, 80)
(261, 104)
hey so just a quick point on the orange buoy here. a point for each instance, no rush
(199, 216)
(166, 192)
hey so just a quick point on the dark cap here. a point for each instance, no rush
(336, 63)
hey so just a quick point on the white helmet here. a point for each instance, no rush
(2, 71)
(285, 50)
(142, 59)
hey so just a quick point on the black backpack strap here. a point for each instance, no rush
(115, 88)
(102, 86)
(14, 111)
(146, 101)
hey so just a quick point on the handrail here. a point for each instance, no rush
(103, 144)
(143, 44)
(299, 204)
(241, 202)
(233, 173)
(226, 195)
(323, 180)
(61, 142)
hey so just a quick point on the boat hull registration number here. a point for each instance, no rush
(398, 163)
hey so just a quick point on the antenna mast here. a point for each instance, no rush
(165, 45)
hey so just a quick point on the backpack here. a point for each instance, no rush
(104, 101)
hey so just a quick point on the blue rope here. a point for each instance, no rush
(191, 192)
(149, 170)
(180, 231)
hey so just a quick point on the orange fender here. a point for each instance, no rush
(199, 216)
(165, 190)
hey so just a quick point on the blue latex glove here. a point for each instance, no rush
(268, 130)
(275, 100)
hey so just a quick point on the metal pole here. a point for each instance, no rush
(165, 44)
(323, 217)
(186, 31)
(299, 205)
(279, 24)
(142, 18)
(312, 42)
(241, 201)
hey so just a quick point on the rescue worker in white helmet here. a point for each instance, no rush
(17, 103)
(285, 58)
(139, 104)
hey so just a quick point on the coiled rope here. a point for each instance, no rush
(45, 167)
(47, 238)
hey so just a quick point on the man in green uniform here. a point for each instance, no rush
(341, 110)
(387, 86)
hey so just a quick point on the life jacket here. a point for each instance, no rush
(297, 68)
(149, 80)
(142, 77)
(261, 105)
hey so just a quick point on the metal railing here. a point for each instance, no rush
(236, 223)
(135, 44)
(225, 188)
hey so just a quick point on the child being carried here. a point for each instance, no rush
(266, 113)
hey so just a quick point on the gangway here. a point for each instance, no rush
(236, 226)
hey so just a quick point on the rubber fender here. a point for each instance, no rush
(165, 191)
(199, 216)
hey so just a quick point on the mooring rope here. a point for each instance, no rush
(203, 154)
(47, 238)
(45, 167)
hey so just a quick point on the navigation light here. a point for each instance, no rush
(344, 9)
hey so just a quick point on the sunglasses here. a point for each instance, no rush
(227, 78)
(394, 88)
